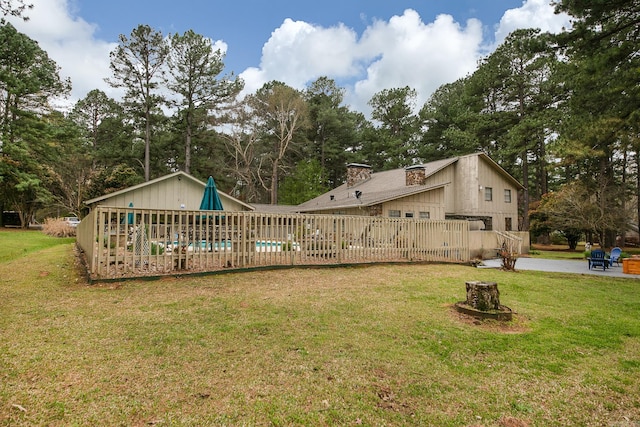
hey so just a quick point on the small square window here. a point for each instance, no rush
(425, 215)
(408, 214)
(507, 196)
(394, 214)
(488, 194)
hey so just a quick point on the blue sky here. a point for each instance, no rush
(365, 45)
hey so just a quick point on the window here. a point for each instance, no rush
(507, 196)
(488, 194)
(425, 215)
(394, 214)
(408, 215)
(507, 224)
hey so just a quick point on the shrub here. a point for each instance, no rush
(558, 238)
(156, 249)
(58, 227)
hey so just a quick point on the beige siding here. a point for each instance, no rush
(445, 176)
(428, 201)
(173, 193)
(473, 177)
(466, 190)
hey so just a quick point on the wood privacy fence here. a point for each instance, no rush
(128, 242)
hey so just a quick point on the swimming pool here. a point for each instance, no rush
(226, 245)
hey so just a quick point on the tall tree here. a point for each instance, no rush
(194, 67)
(520, 73)
(28, 80)
(90, 113)
(449, 119)
(69, 184)
(603, 126)
(332, 128)
(137, 64)
(284, 116)
(241, 141)
(398, 128)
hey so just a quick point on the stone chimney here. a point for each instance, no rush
(415, 175)
(357, 173)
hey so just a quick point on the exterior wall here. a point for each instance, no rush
(172, 193)
(428, 201)
(446, 175)
(471, 173)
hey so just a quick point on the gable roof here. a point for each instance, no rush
(160, 179)
(389, 185)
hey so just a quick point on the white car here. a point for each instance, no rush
(73, 221)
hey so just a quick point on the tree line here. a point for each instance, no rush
(558, 112)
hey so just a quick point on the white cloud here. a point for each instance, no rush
(403, 51)
(532, 14)
(407, 52)
(298, 52)
(70, 42)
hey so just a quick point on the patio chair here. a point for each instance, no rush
(615, 256)
(597, 259)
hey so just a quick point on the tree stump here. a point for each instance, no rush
(483, 296)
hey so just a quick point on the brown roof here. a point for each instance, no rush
(387, 185)
(379, 188)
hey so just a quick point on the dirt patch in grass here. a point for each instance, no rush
(518, 325)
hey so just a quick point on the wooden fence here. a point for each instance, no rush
(128, 242)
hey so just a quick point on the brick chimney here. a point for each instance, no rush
(415, 175)
(357, 173)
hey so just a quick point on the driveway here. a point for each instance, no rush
(561, 266)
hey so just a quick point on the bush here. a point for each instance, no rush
(58, 227)
(558, 238)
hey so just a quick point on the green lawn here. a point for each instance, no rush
(17, 243)
(375, 345)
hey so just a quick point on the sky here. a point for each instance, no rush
(364, 45)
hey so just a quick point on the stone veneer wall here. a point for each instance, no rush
(357, 173)
(375, 210)
(415, 176)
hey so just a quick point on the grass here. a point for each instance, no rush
(15, 243)
(374, 345)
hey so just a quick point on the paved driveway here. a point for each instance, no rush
(561, 266)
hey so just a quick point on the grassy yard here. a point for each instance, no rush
(373, 346)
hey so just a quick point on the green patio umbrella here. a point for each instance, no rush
(129, 216)
(211, 199)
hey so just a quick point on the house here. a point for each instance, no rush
(471, 187)
(178, 190)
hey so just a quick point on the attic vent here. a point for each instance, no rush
(332, 197)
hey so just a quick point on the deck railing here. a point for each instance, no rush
(129, 242)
